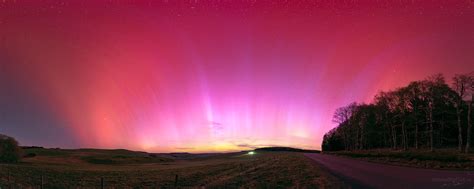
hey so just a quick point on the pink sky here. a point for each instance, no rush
(204, 76)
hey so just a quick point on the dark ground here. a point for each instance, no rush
(84, 168)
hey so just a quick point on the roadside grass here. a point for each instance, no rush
(439, 159)
(236, 170)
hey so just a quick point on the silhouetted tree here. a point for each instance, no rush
(422, 114)
(460, 86)
(383, 104)
(9, 150)
(469, 124)
(332, 141)
(413, 92)
(435, 92)
(470, 90)
(342, 115)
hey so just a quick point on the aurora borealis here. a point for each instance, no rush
(205, 76)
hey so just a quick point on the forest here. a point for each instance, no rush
(428, 114)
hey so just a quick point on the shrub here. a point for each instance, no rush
(29, 155)
(9, 150)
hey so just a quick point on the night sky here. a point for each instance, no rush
(205, 76)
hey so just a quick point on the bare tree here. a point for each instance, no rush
(385, 102)
(460, 86)
(469, 124)
(469, 112)
(408, 104)
(414, 101)
(430, 90)
(341, 116)
(402, 107)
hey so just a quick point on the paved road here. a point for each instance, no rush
(362, 174)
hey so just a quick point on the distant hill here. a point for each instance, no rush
(31, 147)
(286, 149)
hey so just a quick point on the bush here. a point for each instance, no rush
(29, 155)
(9, 150)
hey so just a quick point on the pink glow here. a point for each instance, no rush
(206, 77)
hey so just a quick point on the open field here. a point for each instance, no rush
(439, 159)
(126, 169)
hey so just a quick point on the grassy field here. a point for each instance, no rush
(126, 169)
(439, 159)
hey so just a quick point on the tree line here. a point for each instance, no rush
(424, 114)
